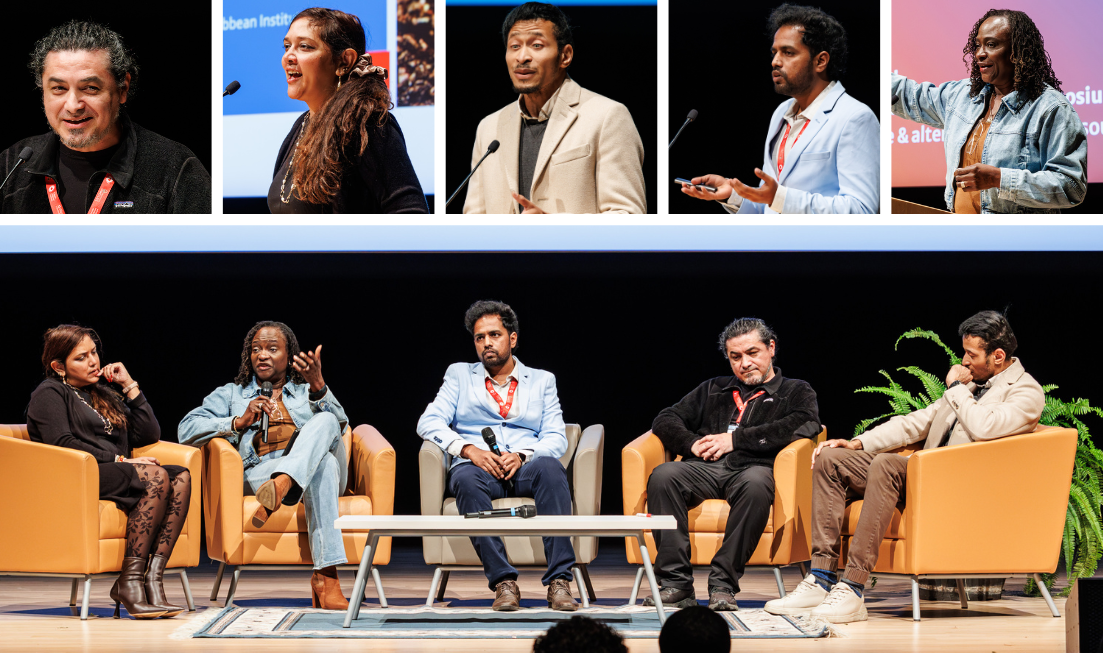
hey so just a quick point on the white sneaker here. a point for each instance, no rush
(800, 601)
(841, 606)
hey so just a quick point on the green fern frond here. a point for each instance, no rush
(866, 423)
(931, 383)
(933, 337)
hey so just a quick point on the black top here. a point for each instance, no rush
(532, 135)
(770, 422)
(57, 416)
(382, 180)
(76, 169)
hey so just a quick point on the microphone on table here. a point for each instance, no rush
(491, 440)
(232, 88)
(690, 118)
(524, 512)
(24, 154)
(491, 149)
(265, 390)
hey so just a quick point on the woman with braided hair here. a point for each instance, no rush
(346, 154)
(77, 407)
(1013, 142)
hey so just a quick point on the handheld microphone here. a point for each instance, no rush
(491, 149)
(25, 154)
(265, 390)
(895, 98)
(524, 512)
(690, 118)
(232, 88)
(491, 440)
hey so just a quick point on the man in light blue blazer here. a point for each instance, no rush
(822, 152)
(521, 405)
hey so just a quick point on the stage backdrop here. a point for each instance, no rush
(927, 42)
(257, 118)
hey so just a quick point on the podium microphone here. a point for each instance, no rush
(232, 88)
(25, 154)
(690, 118)
(524, 512)
(489, 150)
(489, 438)
(265, 390)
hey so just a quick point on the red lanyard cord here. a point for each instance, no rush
(781, 150)
(97, 203)
(742, 405)
(503, 406)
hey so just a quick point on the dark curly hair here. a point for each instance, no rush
(742, 326)
(245, 373)
(821, 33)
(82, 35)
(1033, 68)
(580, 634)
(540, 11)
(993, 328)
(489, 307)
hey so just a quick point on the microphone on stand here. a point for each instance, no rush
(690, 118)
(489, 150)
(491, 440)
(232, 88)
(265, 390)
(25, 154)
(524, 512)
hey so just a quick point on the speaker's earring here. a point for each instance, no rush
(339, 73)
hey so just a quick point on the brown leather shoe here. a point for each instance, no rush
(559, 596)
(155, 587)
(507, 596)
(325, 590)
(271, 494)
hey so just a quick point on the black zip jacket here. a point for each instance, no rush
(770, 422)
(153, 173)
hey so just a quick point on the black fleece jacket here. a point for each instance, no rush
(786, 412)
(153, 173)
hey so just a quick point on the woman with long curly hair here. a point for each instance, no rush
(77, 407)
(1013, 142)
(300, 457)
(346, 154)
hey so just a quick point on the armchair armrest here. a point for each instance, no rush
(588, 457)
(792, 513)
(638, 459)
(990, 507)
(373, 468)
(170, 453)
(51, 508)
(223, 491)
(433, 463)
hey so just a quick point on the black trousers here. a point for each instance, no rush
(675, 487)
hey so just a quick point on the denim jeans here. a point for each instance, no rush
(313, 464)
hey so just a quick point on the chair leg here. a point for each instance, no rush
(73, 593)
(636, 586)
(217, 581)
(915, 599)
(187, 590)
(233, 586)
(84, 601)
(586, 577)
(780, 585)
(1045, 594)
(962, 594)
(378, 587)
(443, 584)
(437, 573)
(805, 569)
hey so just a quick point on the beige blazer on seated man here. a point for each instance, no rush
(590, 160)
(1012, 405)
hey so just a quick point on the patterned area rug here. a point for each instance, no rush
(473, 623)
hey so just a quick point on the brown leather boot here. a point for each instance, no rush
(507, 596)
(325, 590)
(155, 587)
(130, 591)
(271, 494)
(559, 596)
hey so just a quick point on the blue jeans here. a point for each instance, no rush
(313, 464)
(545, 480)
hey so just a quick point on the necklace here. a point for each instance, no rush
(107, 427)
(291, 164)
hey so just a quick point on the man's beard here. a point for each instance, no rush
(794, 88)
(526, 90)
(497, 361)
(88, 139)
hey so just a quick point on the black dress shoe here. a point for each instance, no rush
(721, 599)
(673, 598)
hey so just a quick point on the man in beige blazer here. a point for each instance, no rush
(562, 149)
(988, 396)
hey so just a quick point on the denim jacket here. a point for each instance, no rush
(1039, 145)
(213, 419)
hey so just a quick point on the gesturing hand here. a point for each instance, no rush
(116, 373)
(833, 444)
(530, 208)
(309, 364)
(253, 411)
(764, 194)
(958, 373)
(484, 460)
(976, 177)
(723, 188)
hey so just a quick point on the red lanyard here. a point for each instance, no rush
(97, 203)
(503, 406)
(781, 150)
(742, 405)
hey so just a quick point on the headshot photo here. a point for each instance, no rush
(98, 119)
(787, 118)
(328, 110)
(557, 130)
(993, 110)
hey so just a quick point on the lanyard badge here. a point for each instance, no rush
(97, 203)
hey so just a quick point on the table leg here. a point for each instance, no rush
(651, 577)
(361, 580)
(582, 593)
(378, 587)
(433, 587)
(636, 586)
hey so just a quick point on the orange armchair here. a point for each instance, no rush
(968, 516)
(787, 538)
(55, 524)
(283, 541)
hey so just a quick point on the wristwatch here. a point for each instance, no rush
(523, 457)
(954, 384)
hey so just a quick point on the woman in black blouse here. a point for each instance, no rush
(347, 153)
(76, 407)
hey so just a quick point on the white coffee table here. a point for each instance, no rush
(551, 526)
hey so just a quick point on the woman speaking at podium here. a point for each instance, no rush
(1013, 142)
(346, 154)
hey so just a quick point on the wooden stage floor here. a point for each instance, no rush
(34, 613)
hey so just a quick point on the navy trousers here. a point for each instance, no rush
(543, 479)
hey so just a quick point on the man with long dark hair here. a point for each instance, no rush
(1015, 144)
(95, 159)
(822, 150)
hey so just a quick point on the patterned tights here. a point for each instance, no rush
(159, 516)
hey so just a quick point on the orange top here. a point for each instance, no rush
(280, 429)
(969, 201)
